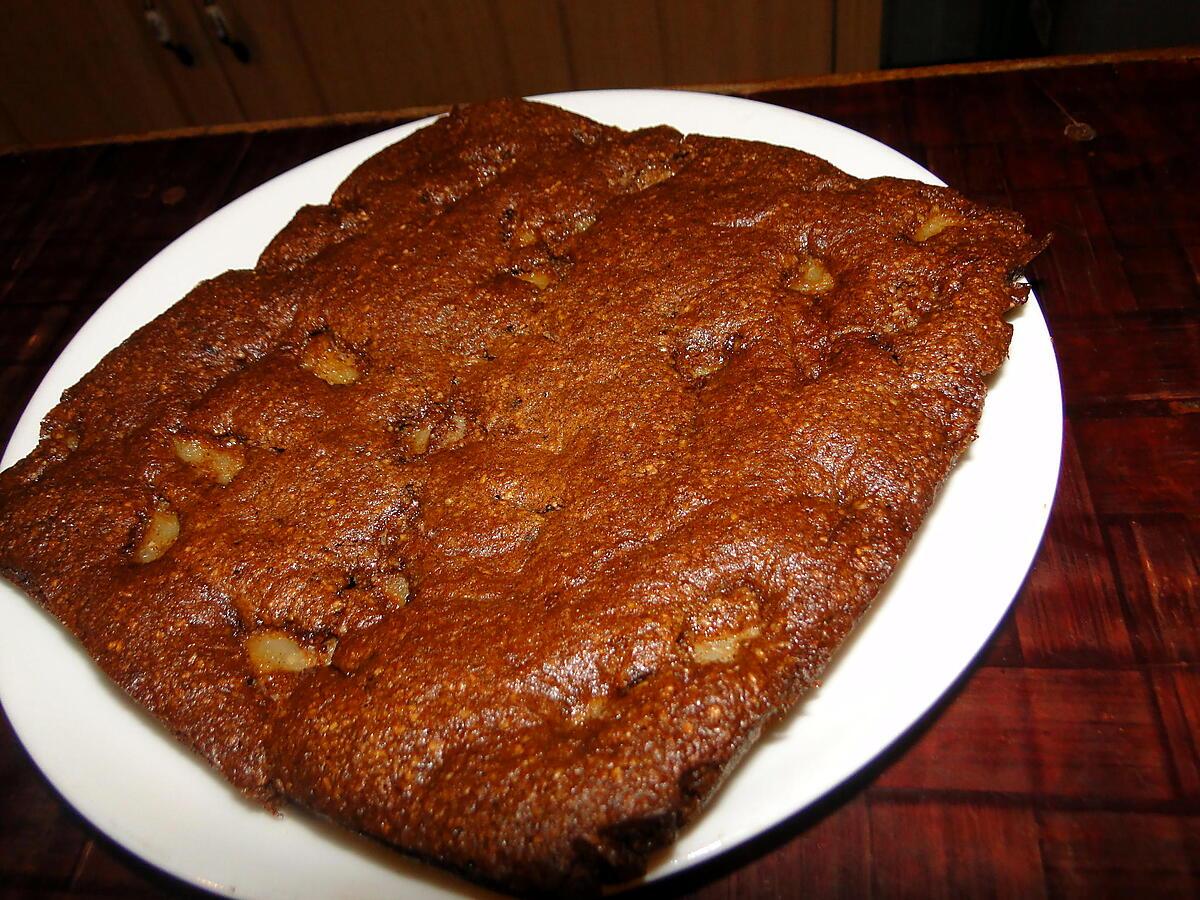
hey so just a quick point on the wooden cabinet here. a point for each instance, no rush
(79, 69)
(74, 69)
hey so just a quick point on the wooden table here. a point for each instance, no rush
(1066, 762)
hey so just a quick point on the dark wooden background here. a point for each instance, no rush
(75, 69)
(1066, 762)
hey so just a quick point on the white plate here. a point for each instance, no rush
(131, 780)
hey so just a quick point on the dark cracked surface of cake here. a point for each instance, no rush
(499, 508)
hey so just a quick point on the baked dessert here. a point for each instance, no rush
(501, 506)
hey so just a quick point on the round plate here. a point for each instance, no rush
(133, 781)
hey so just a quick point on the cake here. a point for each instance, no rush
(504, 503)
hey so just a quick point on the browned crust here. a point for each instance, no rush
(637, 497)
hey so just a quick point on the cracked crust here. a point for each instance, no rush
(516, 490)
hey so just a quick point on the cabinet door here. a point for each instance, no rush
(383, 54)
(77, 69)
(264, 64)
(859, 33)
(201, 90)
(718, 41)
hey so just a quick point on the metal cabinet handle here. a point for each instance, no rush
(160, 28)
(220, 27)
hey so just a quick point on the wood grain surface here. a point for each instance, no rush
(80, 69)
(1065, 762)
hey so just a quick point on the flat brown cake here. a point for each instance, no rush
(499, 508)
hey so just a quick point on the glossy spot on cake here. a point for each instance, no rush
(722, 649)
(537, 489)
(650, 176)
(727, 619)
(934, 224)
(69, 438)
(329, 361)
(418, 436)
(395, 588)
(216, 461)
(162, 530)
(525, 236)
(416, 440)
(810, 277)
(538, 279)
(277, 651)
(595, 708)
(704, 354)
(705, 366)
(456, 431)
